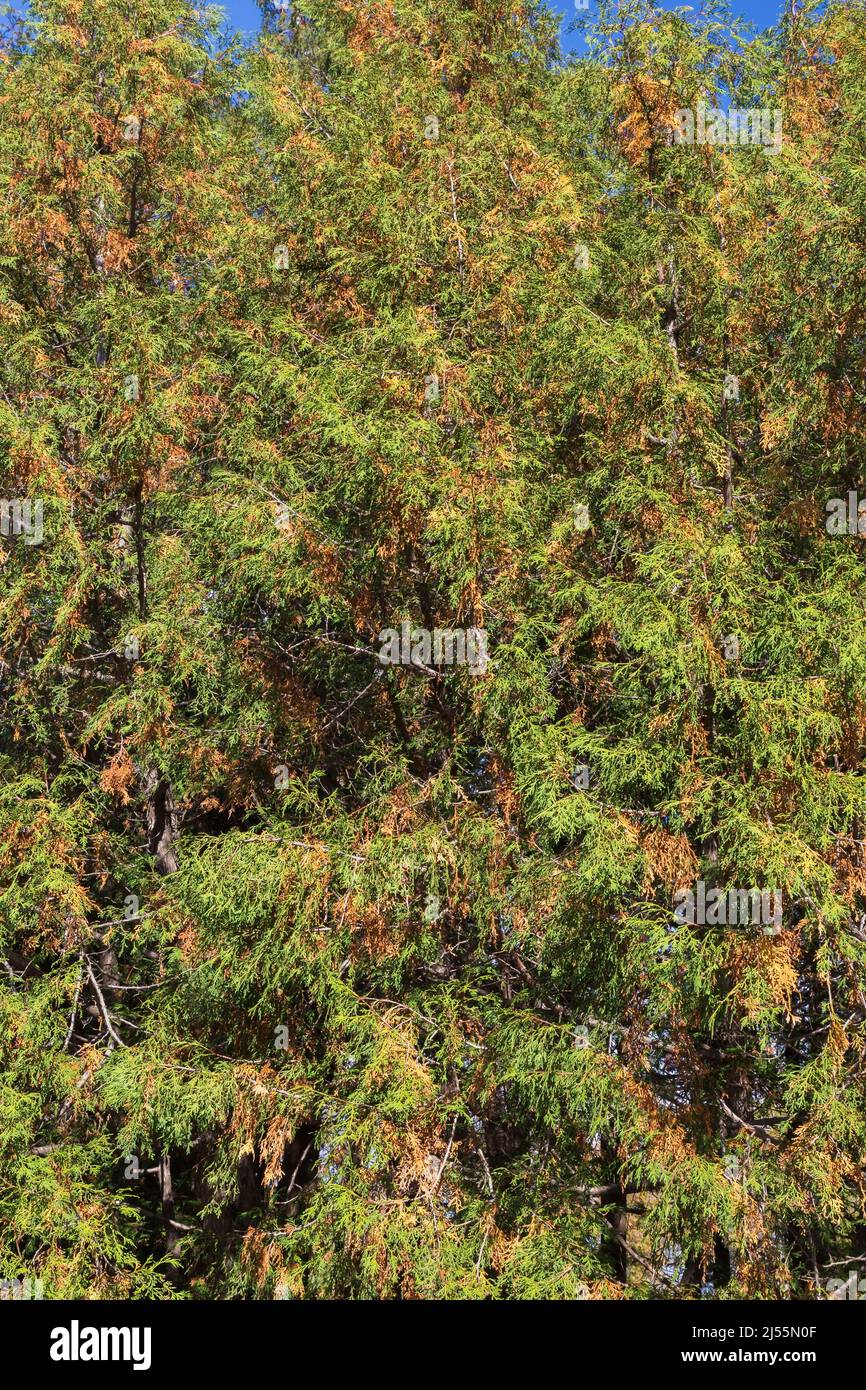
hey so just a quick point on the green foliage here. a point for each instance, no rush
(333, 978)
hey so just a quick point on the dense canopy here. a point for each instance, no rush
(432, 652)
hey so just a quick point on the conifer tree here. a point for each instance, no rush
(432, 725)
